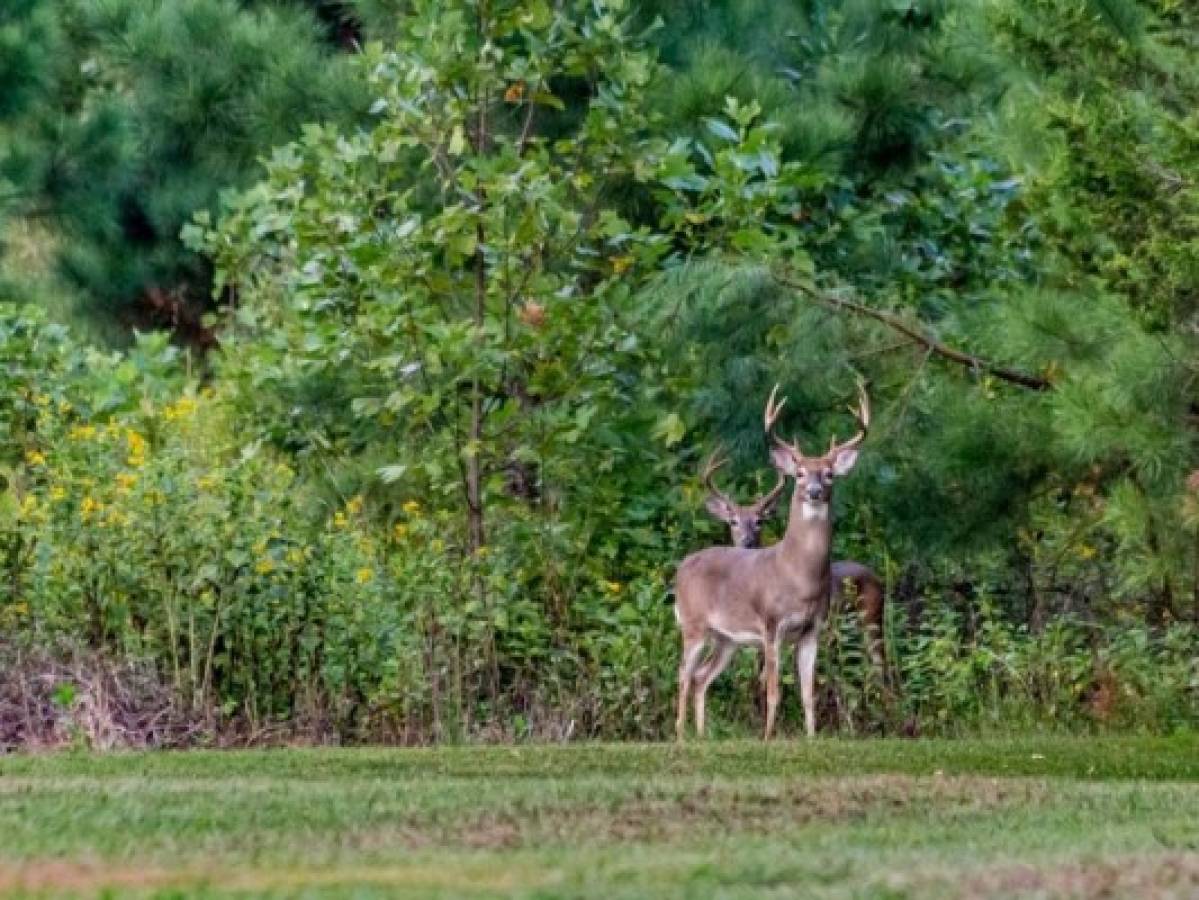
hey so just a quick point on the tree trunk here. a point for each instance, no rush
(1195, 586)
(1161, 600)
(477, 534)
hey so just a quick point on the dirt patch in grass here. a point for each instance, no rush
(64, 876)
(56, 877)
(651, 815)
(1169, 876)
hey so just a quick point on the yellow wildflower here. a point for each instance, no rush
(41, 400)
(295, 556)
(264, 566)
(363, 575)
(82, 432)
(399, 531)
(28, 504)
(125, 481)
(340, 520)
(57, 492)
(64, 406)
(614, 587)
(1086, 551)
(621, 264)
(206, 482)
(354, 505)
(35, 457)
(137, 448)
(89, 507)
(412, 508)
(180, 409)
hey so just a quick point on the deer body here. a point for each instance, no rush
(745, 523)
(769, 596)
(757, 597)
(739, 592)
(870, 600)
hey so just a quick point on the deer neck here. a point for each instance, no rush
(809, 536)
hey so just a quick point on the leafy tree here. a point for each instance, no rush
(472, 272)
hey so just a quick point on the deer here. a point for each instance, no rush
(745, 523)
(766, 596)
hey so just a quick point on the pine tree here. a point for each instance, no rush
(137, 115)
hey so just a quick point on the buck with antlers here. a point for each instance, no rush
(766, 597)
(745, 523)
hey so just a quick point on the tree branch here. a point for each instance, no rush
(934, 346)
(526, 130)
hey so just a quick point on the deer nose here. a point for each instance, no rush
(815, 492)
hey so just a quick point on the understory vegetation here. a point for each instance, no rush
(416, 456)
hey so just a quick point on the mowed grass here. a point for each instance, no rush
(1037, 816)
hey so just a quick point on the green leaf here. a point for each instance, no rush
(670, 429)
(722, 129)
(391, 474)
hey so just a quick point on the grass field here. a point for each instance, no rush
(1074, 817)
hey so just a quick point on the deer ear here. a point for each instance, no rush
(783, 460)
(719, 508)
(844, 461)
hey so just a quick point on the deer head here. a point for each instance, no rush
(745, 521)
(814, 475)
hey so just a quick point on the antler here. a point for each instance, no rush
(771, 415)
(714, 462)
(770, 499)
(862, 413)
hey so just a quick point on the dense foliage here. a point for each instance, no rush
(479, 326)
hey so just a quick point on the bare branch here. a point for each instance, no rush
(526, 130)
(1013, 376)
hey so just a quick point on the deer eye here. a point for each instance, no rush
(803, 473)
(827, 474)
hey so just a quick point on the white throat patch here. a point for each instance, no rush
(814, 511)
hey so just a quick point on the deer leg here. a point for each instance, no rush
(692, 650)
(710, 672)
(759, 686)
(870, 611)
(770, 651)
(805, 664)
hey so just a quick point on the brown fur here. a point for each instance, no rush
(745, 530)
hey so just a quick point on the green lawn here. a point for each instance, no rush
(1030, 817)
